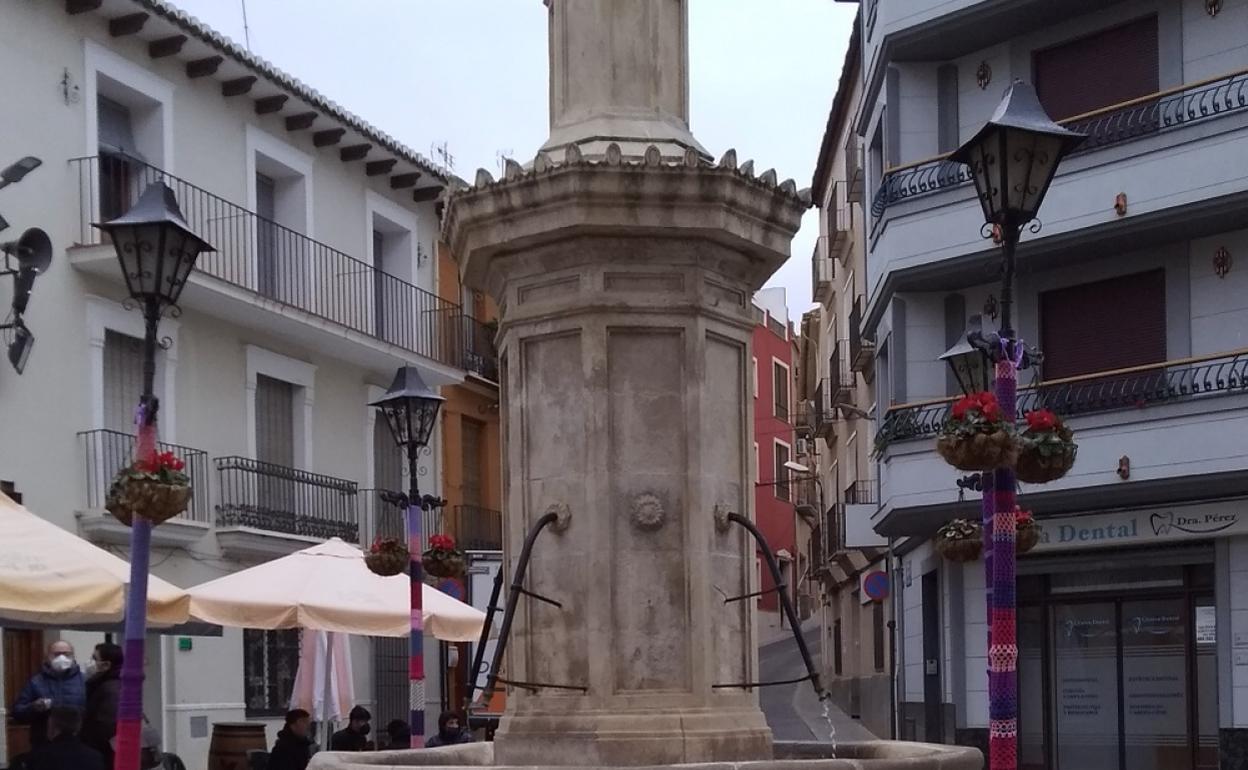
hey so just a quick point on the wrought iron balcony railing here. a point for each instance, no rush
(822, 271)
(861, 493)
(805, 495)
(475, 528)
(384, 515)
(861, 350)
(1114, 125)
(285, 266)
(841, 376)
(108, 451)
(275, 498)
(823, 412)
(1134, 388)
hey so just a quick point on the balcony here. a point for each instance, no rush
(106, 452)
(854, 183)
(475, 528)
(823, 271)
(823, 413)
(289, 277)
(806, 496)
(1152, 144)
(265, 510)
(861, 350)
(859, 502)
(1180, 424)
(843, 383)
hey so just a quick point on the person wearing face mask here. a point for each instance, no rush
(103, 697)
(450, 732)
(354, 737)
(59, 683)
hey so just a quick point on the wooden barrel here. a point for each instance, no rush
(230, 743)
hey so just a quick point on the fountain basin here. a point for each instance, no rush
(871, 755)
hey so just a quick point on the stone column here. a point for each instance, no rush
(623, 270)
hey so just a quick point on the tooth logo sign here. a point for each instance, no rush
(1207, 524)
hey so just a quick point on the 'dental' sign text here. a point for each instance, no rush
(1140, 527)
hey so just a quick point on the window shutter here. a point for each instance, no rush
(123, 380)
(113, 128)
(1112, 66)
(1097, 327)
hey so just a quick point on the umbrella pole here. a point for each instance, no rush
(327, 702)
(416, 653)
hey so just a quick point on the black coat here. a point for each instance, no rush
(290, 752)
(65, 752)
(348, 740)
(99, 722)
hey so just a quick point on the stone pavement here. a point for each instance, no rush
(794, 712)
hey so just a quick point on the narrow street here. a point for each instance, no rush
(793, 711)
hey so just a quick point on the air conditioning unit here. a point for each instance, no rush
(803, 446)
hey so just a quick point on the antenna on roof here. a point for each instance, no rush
(442, 152)
(246, 29)
(500, 158)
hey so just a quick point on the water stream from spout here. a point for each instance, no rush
(827, 717)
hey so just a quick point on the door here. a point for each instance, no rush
(123, 384)
(266, 235)
(379, 285)
(23, 655)
(275, 449)
(933, 726)
(1085, 686)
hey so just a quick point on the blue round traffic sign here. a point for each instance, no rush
(875, 585)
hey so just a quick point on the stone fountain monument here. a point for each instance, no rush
(623, 259)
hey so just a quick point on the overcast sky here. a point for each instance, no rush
(473, 74)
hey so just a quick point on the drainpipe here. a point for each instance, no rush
(892, 644)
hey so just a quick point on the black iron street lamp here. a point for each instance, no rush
(157, 251)
(969, 361)
(411, 408)
(1012, 160)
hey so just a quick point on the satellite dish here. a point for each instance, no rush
(33, 251)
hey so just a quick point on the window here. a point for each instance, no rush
(877, 634)
(782, 472)
(393, 256)
(758, 475)
(1086, 74)
(780, 389)
(1096, 327)
(270, 660)
(280, 397)
(118, 152)
(473, 440)
(123, 380)
(838, 664)
(754, 374)
(281, 197)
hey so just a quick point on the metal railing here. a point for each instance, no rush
(279, 499)
(478, 354)
(382, 514)
(1137, 387)
(1193, 103)
(841, 376)
(822, 410)
(861, 492)
(285, 266)
(861, 351)
(108, 451)
(805, 494)
(475, 528)
(822, 271)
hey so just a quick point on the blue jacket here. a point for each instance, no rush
(64, 689)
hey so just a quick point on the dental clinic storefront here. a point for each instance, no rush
(1126, 638)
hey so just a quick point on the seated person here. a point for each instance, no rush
(353, 737)
(450, 732)
(64, 750)
(400, 735)
(293, 748)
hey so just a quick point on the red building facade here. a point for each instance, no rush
(774, 440)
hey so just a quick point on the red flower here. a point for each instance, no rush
(1043, 421)
(441, 543)
(1023, 517)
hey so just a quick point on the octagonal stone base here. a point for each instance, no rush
(874, 755)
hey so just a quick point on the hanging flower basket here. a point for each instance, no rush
(976, 437)
(1027, 533)
(443, 559)
(960, 540)
(156, 490)
(387, 557)
(1046, 449)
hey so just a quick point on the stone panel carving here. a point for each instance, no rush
(553, 432)
(647, 283)
(723, 443)
(649, 574)
(547, 290)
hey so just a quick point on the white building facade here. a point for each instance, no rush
(322, 284)
(1132, 621)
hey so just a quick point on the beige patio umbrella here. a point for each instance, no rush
(328, 588)
(50, 576)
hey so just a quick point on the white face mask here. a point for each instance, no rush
(62, 663)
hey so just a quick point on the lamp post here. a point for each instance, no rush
(157, 251)
(411, 410)
(1012, 161)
